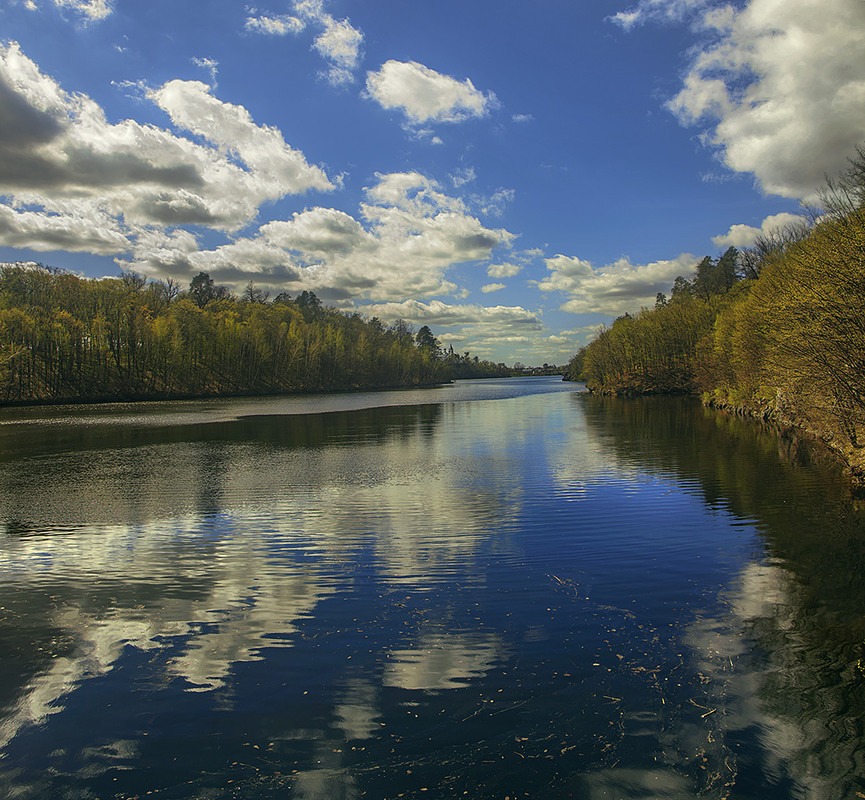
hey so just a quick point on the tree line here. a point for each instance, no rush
(65, 338)
(777, 328)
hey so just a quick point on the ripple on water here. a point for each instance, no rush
(535, 596)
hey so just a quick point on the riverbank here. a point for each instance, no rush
(788, 414)
(228, 395)
(792, 416)
(773, 332)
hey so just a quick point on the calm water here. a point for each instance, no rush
(499, 589)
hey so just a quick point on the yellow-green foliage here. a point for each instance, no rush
(799, 336)
(652, 352)
(65, 337)
(791, 340)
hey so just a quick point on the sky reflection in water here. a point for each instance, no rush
(524, 592)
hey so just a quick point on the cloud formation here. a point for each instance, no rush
(76, 182)
(781, 90)
(658, 11)
(438, 313)
(67, 172)
(280, 25)
(746, 235)
(506, 270)
(473, 327)
(425, 96)
(614, 289)
(91, 10)
(338, 42)
(407, 235)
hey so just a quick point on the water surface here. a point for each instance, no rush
(493, 589)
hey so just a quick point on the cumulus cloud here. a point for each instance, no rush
(277, 168)
(73, 181)
(447, 315)
(407, 235)
(492, 287)
(746, 235)
(781, 91)
(506, 270)
(318, 233)
(64, 169)
(510, 331)
(614, 289)
(84, 230)
(426, 96)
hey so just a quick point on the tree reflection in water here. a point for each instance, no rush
(795, 627)
(536, 596)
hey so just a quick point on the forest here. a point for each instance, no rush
(66, 338)
(776, 330)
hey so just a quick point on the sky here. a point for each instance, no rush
(512, 174)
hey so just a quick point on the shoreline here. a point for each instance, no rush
(788, 418)
(172, 397)
(792, 419)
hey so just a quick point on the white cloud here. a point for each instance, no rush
(746, 235)
(585, 332)
(443, 314)
(413, 192)
(278, 169)
(338, 42)
(425, 95)
(318, 233)
(92, 10)
(81, 229)
(615, 288)
(67, 172)
(210, 65)
(506, 270)
(461, 177)
(781, 87)
(408, 234)
(497, 332)
(495, 204)
(492, 287)
(657, 10)
(567, 274)
(279, 25)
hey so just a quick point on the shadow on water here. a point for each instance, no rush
(289, 431)
(72, 474)
(795, 707)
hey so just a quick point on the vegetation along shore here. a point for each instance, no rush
(776, 331)
(64, 338)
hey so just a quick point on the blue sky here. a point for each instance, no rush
(511, 174)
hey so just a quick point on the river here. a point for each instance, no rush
(495, 589)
